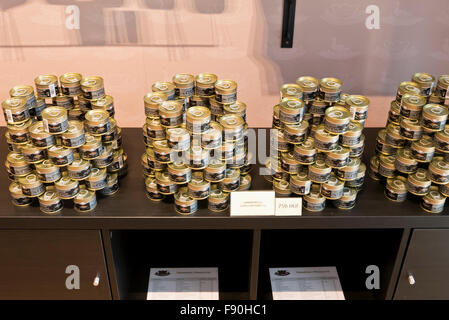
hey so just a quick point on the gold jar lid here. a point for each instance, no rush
(231, 121)
(78, 165)
(92, 83)
(282, 186)
(374, 161)
(154, 99)
(163, 86)
(276, 110)
(177, 134)
(288, 158)
(358, 101)
(58, 151)
(435, 112)
(19, 128)
(362, 169)
(97, 174)
(237, 107)
(314, 196)
(70, 79)
(381, 134)
(424, 80)
(49, 197)
(413, 101)
(216, 165)
(338, 115)
(84, 196)
(299, 178)
(15, 158)
(387, 161)
(352, 165)
(218, 196)
(183, 80)
(66, 183)
(182, 197)
(393, 130)
(198, 114)
(420, 178)
(397, 184)
(198, 182)
(177, 168)
(46, 166)
(103, 103)
(354, 129)
(404, 155)
(45, 80)
(349, 194)
(14, 104)
(163, 178)
(330, 84)
(300, 128)
(409, 87)
(306, 147)
(443, 135)
(411, 124)
(291, 90)
(170, 108)
(307, 83)
(74, 130)
(443, 81)
(97, 117)
(231, 174)
(15, 188)
(161, 146)
(205, 80)
(339, 152)
(107, 152)
(225, 86)
(91, 143)
(425, 144)
(30, 181)
(320, 167)
(22, 91)
(322, 135)
(434, 196)
(150, 184)
(154, 124)
(439, 165)
(54, 114)
(291, 105)
(333, 183)
(196, 153)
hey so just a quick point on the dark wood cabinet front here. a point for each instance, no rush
(426, 266)
(52, 264)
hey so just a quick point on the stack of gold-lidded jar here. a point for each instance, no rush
(65, 145)
(412, 151)
(196, 142)
(317, 143)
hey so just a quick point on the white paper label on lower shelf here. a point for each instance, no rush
(315, 283)
(183, 284)
(252, 203)
(288, 206)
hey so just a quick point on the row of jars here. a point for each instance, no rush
(58, 151)
(317, 143)
(196, 142)
(412, 152)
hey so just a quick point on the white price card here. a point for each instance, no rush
(252, 203)
(288, 207)
(183, 284)
(315, 283)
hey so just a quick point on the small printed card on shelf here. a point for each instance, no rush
(252, 203)
(183, 284)
(310, 283)
(288, 206)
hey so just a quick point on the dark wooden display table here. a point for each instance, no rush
(130, 234)
(131, 209)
